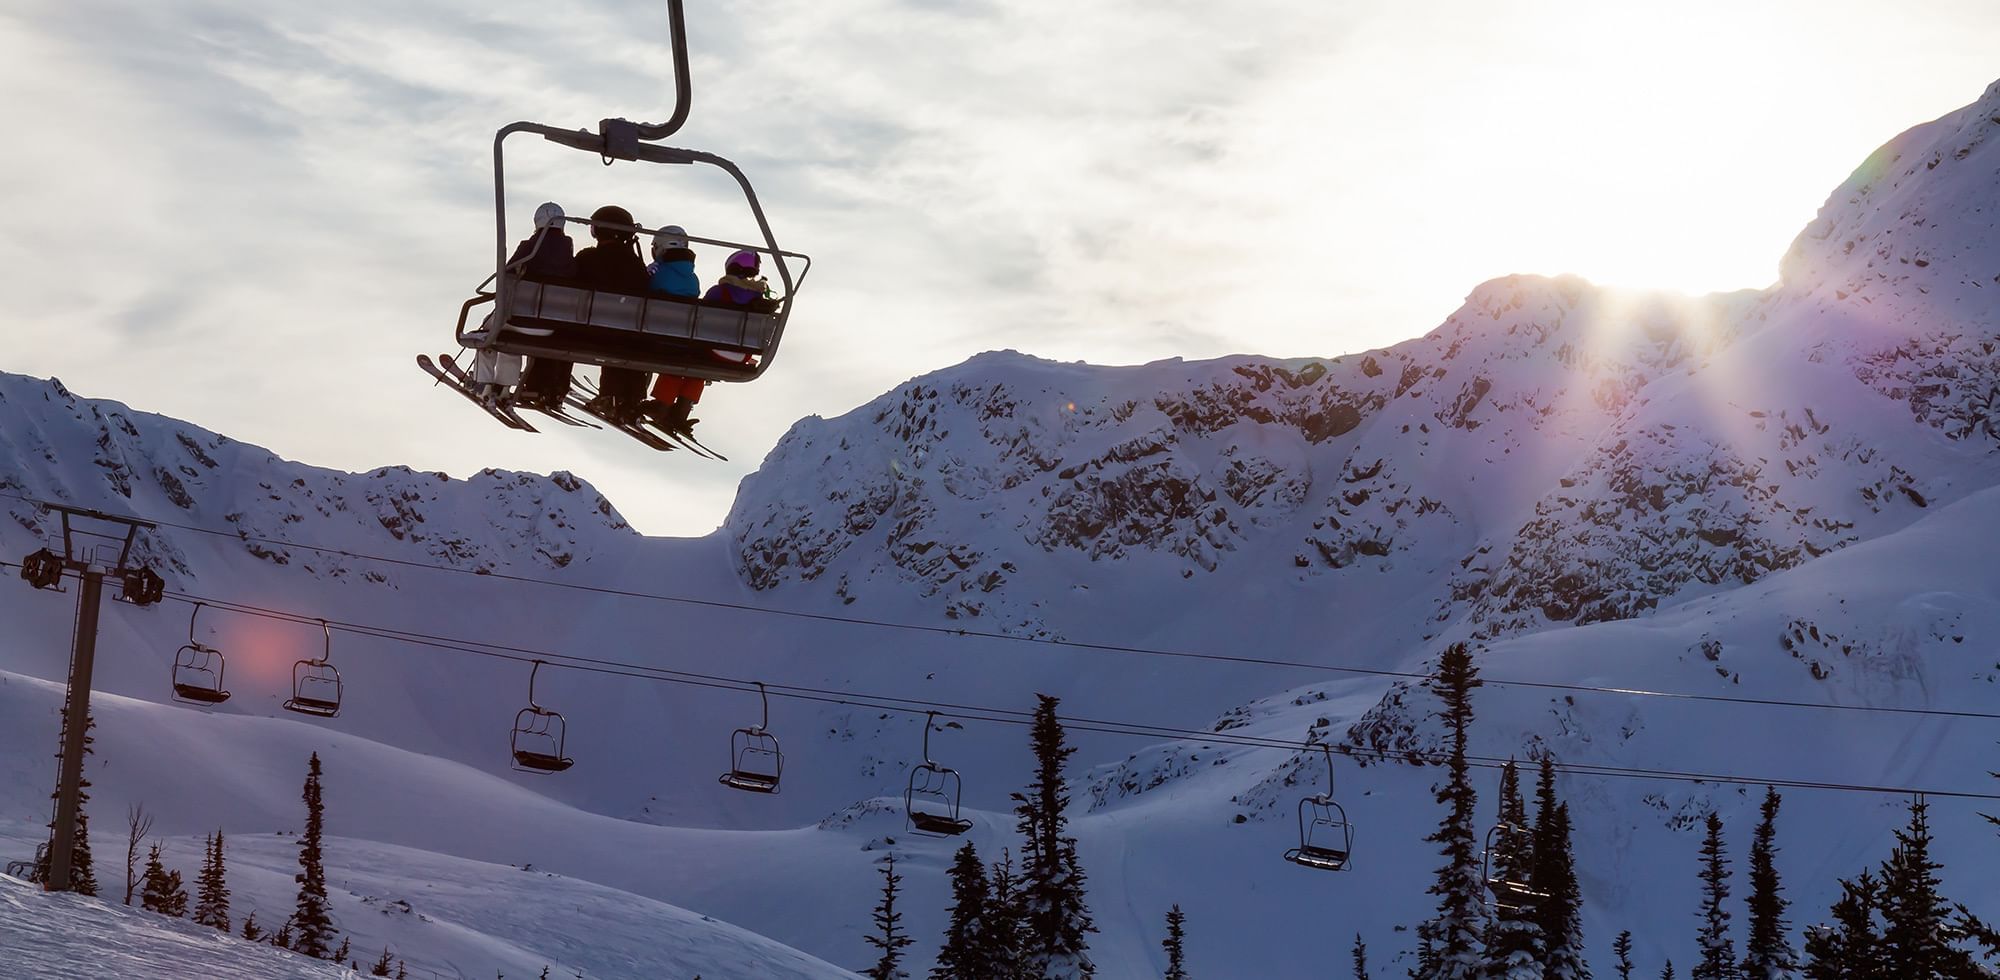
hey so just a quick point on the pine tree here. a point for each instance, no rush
(341, 953)
(1622, 948)
(1561, 913)
(160, 886)
(1175, 944)
(1850, 949)
(890, 923)
(1054, 912)
(315, 925)
(1916, 932)
(211, 907)
(1667, 972)
(283, 937)
(252, 932)
(1001, 941)
(1767, 950)
(82, 868)
(381, 967)
(1449, 947)
(1513, 935)
(1360, 954)
(402, 974)
(964, 954)
(1718, 950)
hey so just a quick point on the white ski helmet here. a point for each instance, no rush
(549, 215)
(672, 236)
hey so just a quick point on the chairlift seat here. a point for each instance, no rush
(199, 694)
(1313, 856)
(655, 333)
(938, 823)
(313, 706)
(754, 782)
(541, 761)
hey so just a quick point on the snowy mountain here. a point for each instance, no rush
(1782, 494)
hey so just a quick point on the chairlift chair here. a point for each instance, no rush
(197, 675)
(937, 785)
(755, 761)
(1508, 895)
(650, 332)
(537, 740)
(316, 683)
(1326, 839)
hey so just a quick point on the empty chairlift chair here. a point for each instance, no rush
(537, 740)
(316, 683)
(1326, 839)
(1511, 892)
(197, 673)
(930, 802)
(755, 761)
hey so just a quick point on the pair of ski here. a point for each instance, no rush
(646, 431)
(446, 371)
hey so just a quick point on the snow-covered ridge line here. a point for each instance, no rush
(103, 455)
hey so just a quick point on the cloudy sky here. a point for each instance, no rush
(253, 214)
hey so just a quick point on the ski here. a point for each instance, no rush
(466, 382)
(690, 443)
(447, 378)
(582, 391)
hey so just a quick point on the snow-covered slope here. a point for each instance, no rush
(1783, 494)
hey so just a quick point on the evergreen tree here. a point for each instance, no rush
(402, 974)
(162, 890)
(1175, 944)
(1448, 943)
(1561, 913)
(1513, 935)
(211, 907)
(1667, 972)
(381, 967)
(1001, 941)
(341, 953)
(1054, 912)
(283, 937)
(1718, 950)
(1767, 950)
(1850, 949)
(890, 923)
(964, 955)
(1917, 930)
(1622, 948)
(315, 925)
(252, 932)
(1360, 953)
(82, 868)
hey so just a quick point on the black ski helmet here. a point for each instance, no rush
(612, 214)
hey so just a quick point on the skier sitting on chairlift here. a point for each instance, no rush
(546, 254)
(613, 265)
(672, 273)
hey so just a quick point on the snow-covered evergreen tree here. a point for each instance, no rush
(1718, 950)
(312, 917)
(211, 905)
(162, 891)
(1176, 944)
(891, 939)
(1917, 931)
(1767, 949)
(1449, 946)
(1561, 913)
(963, 956)
(1001, 941)
(1054, 910)
(1513, 936)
